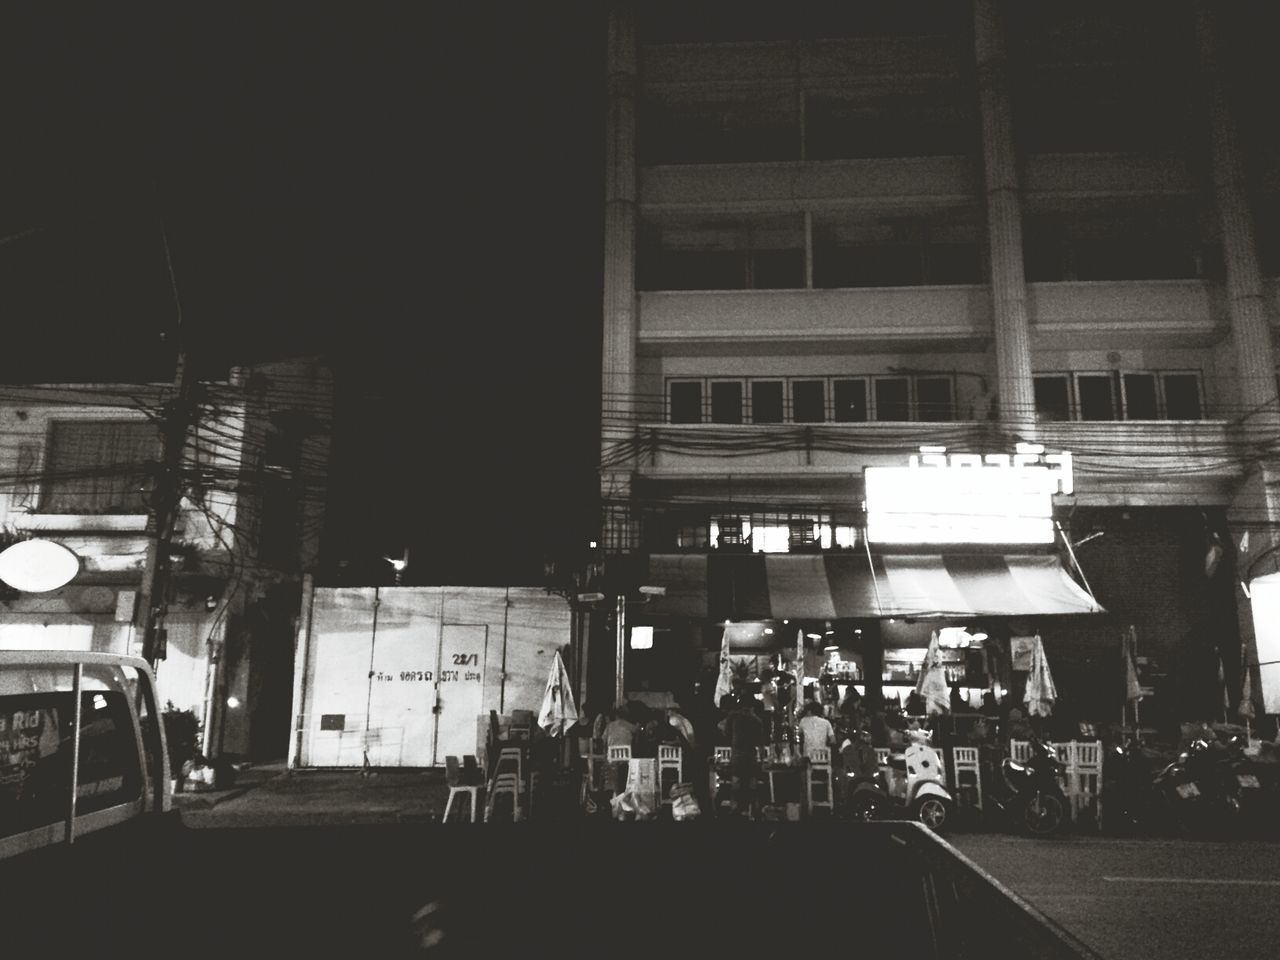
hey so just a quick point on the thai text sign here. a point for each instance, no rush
(967, 497)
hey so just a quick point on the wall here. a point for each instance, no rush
(364, 652)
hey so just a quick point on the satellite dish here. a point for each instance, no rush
(37, 566)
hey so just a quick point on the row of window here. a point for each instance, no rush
(811, 399)
(758, 532)
(1056, 109)
(772, 253)
(1115, 395)
(1118, 395)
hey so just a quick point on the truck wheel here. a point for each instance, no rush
(932, 810)
(1043, 814)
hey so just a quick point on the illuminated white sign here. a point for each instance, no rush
(36, 566)
(967, 497)
(642, 638)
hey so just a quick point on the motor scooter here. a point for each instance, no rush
(915, 789)
(1033, 797)
(1206, 788)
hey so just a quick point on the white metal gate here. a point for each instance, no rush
(404, 677)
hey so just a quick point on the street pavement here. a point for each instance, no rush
(1163, 899)
(270, 795)
(1127, 899)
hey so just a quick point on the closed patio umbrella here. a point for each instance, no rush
(558, 712)
(932, 685)
(1041, 692)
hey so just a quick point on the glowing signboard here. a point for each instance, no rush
(967, 497)
(36, 566)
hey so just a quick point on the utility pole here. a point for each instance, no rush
(166, 494)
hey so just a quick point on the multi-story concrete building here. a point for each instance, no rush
(78, 461)
(831, 240)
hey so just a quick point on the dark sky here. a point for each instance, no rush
(413, 189)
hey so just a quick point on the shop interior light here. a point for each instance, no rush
(829, 649)
(814, 636)
(768, 631)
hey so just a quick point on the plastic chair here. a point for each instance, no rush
(456, 778)
(965, 760)
(724, 754)
(619, 754)
(615, 756)
(882, 756)
(504, 783)
(669, 758)
(1019, 750)
(820, 763)
(1084, 772)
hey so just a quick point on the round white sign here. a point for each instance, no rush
(37, 566)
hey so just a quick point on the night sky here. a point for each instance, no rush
(411, 189)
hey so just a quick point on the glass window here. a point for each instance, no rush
(686, 402)
(726, 401)
(1097, 401)
(1140, 397)
(953, 263)
(766, 401)
(777, 269)
(893, 399)
(98, 466)
(1053, 398)
(35, 756)
(808, 401)
(851, 400)
(1182, 396)
(933, 399)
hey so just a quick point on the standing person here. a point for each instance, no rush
(769, 706)
(816, 732)
(745, 733)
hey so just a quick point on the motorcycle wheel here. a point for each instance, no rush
(1043, 813)
(932, 811)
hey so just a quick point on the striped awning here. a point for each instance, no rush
(846, 585)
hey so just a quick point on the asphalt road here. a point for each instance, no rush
(1150, 898)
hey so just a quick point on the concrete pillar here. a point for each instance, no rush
(1016, 404)
(618, 384)
(1250, 330)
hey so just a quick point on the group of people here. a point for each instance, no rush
(742, 721)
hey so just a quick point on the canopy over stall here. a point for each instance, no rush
(838, 586)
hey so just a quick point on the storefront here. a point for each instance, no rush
(966, 546)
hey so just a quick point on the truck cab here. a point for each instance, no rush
(88, 719)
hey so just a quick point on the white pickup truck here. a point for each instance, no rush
(87, 719)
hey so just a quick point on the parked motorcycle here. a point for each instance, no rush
(1200, 789)
(1134, 803)
(1034, 798)
(915, 791)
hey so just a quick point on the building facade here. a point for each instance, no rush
(831, 240)
(78, 462)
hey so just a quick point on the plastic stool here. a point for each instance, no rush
(473, 792)
(508, 784)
